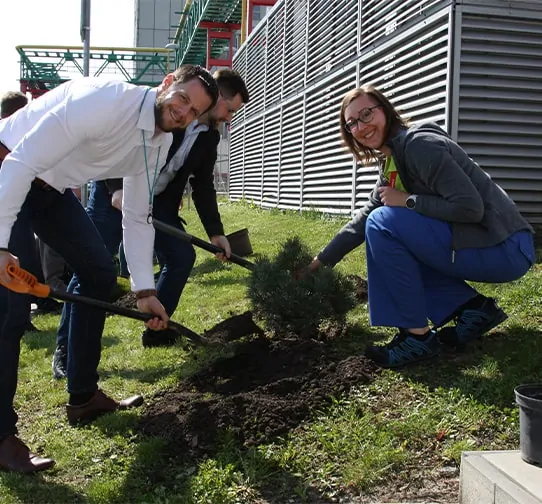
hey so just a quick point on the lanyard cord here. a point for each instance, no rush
(155, 176)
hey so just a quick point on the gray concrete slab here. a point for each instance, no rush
(499, 477)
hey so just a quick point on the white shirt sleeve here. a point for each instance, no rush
(53, 137)
(138, 234)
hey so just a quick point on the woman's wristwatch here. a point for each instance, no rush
(411, 201)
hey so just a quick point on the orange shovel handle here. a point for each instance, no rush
(24, 282)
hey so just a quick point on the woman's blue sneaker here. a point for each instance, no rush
(404, 349)
(471, 324)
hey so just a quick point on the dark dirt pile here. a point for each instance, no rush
(266, 389)
(361, 288)
(128, 300)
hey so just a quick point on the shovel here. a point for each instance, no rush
(24, 282)
(173, 231)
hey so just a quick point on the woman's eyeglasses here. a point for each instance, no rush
(364, 117)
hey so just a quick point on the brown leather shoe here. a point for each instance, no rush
(100, 404)
(16, 456)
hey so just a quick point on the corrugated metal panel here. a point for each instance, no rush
(291, 155)
(240, 60)
(381, 19)
(332, 37)
(294, 46)
(328, 168)
(236, 176)
(270, 188)
(256, 71)
(412, 70)
(517, 5)
(499, 116)
(253, 168)
(275, 56)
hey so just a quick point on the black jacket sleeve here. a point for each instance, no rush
(113, 184)
(202, 182)
(200, 163)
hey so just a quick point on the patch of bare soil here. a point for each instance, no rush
(128, 300)
(268, 388)
(361, 288)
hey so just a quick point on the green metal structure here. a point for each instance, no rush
(194, 37)
(45, 67)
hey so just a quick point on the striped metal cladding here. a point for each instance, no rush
(471, 66)
(498, 118)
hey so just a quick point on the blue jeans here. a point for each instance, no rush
(106, 218)
(61, 222)
(176, 258)
(414, 275)
(108, 222)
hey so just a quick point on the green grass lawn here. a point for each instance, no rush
(406, 428)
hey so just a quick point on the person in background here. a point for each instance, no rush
(434, 221)
(10, 102)
(192, 155)
(85, 129)
(104, 208)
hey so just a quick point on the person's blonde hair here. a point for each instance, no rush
(393, 122)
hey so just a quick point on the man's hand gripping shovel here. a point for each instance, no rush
(24, 282)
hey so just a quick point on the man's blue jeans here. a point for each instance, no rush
(176, 258)
(108, 222)
(61, 222)
(106, 218)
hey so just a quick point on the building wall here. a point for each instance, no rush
(156, 21)
(471, 66)
(155, 24)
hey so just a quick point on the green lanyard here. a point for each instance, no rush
(155, 177)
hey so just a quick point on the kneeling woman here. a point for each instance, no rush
(434, 220)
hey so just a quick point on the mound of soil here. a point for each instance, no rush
(128, 300)
(361, 288)
(266, 389)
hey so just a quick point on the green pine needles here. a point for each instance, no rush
(300, 306)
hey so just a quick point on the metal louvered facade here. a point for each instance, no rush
(474, 67)
(498, 95)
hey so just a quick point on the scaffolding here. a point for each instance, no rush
(207, 31)
(45, 67)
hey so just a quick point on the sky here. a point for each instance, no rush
(57, 22)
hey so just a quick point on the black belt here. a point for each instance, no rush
(42, 184)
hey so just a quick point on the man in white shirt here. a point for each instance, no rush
(86, 129)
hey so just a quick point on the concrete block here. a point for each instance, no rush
(499, 477)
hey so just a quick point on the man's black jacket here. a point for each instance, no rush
(200, 163)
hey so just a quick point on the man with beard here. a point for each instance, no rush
(192, 155)
(85, 129)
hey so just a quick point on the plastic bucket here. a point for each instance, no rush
(240, 242)
(529, 400)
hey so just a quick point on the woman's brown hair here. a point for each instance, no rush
(393, 122)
